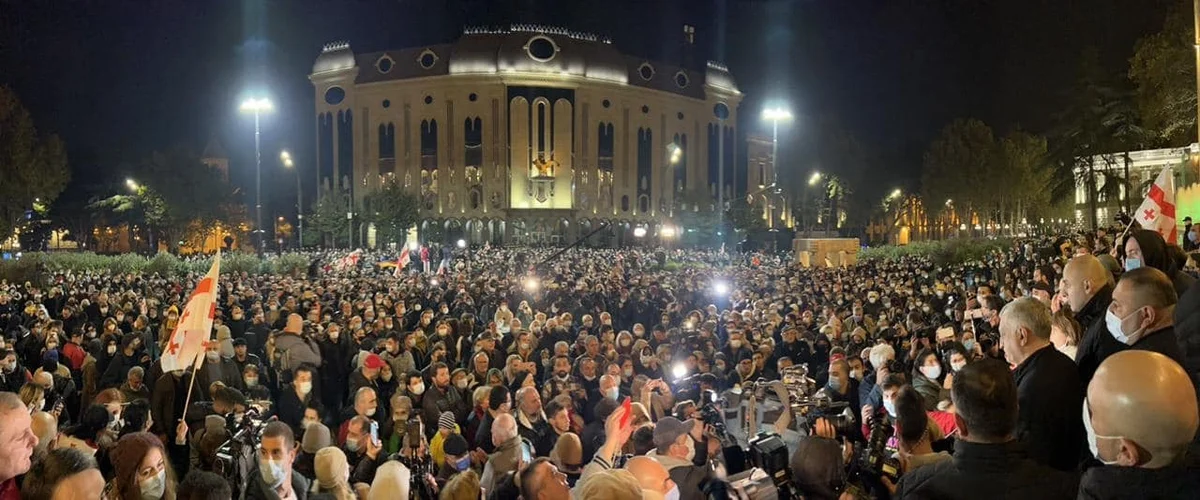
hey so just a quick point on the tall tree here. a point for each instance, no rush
(1024, 160)
(32, 168)
(393, 210)
(1163, 69)
(326, 223)
(959, 166)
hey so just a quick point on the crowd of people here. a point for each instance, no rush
(1053, 369)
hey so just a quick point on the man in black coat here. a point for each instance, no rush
(1048, 388)
(1088, 289)
(1142, 412)
(988, 462)
(1141, 316)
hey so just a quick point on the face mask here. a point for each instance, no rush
(613, 393)
(212, 356)
(628, 372)
(736, 344)
(112, 349)
(463, 464)
(1092, 436)
(307, 423)
(304, 387)
(835, 383)
(969, 344)
(1192, 237)
(418, 389)
(1132, 263)
(958, 366)
(691, 449)
(152, 488)
(933, 372)
(1114, 326)
(115, 424)
(673, 494)
(251, 381)
(856, 374)
(352, 445)
(890, 407)
(461, 384)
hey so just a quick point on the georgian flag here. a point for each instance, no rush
(1157, 213)
(348, 262)
(194, 330)
(402, 263)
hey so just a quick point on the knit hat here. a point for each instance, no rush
(446, 421)
(127, 455)
(498, 397)
(455, 445)
(567, 454)
(316, 437)
(330, 466)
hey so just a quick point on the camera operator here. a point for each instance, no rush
(916, 437)
(275, 477)
(675, 447)
(988, 462)
(819, 463)
(843, 389)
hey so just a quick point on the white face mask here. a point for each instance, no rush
(1092, 436)
(272, 472)
(890, 406)
(958, 366)
(418, 389)
(1113, 322)
(461, 384)
(672, 494)
(304, 387)
(933, 372)
(152, 488)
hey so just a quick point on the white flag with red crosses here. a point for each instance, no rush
(1157, 213)
(194, 330)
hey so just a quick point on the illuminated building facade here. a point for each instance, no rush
(525, 135)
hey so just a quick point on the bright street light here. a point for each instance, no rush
(131, 184)
(668, 232)
(777, 114)
(816, 177)
(721, 288)
(257, 106)
(462, 243)
(895, 194)
(286, 158)
(639, 232)
(532, 284)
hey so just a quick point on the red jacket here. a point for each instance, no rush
(74, 354)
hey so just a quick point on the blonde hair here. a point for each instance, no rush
(463, 486)
(30, 393)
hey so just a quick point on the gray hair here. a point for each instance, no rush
(505, 427)
(138, 372)
(10, 401)
(880, 354)
(1030, 313)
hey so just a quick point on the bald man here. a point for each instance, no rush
(655, 481)
(1048, 387)
(1088, 287)
(507, 457)
(1141, 316)
(1141, 415)
(45, 427)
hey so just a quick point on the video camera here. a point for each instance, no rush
(235, 458)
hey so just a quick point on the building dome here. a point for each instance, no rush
(335, 56)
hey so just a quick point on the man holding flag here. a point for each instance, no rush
(185, 348)
(1157, 212)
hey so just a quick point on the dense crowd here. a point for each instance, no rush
(1048, 370)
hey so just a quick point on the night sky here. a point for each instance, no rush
(117, 79)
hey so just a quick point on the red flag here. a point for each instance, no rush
(1157, 213)
(195, 325)
(402, 263)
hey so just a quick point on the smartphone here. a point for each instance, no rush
(375, 432)
(628, 405)
(526, 451)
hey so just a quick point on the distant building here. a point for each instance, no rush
(1143, 168)
(762, 191)
(527, 134)
(215, 157)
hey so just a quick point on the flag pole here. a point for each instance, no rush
(191, 385)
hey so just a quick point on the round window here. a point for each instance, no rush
(335, 95)
(473, 97)
(428, 99)
(645, 109)
(679, 115)
(427, 59)
(646, 71)
(606, 103)
(720, 110)
(387, 103)
(384, 64)
(681, 80)
(541, 48)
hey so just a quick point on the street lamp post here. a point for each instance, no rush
(257, 106)
(674, 154)
(775, 115)
(288, 163)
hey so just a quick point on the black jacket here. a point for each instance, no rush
(985, 471)
(1187, 331)
(1112, 481)
(1051, 398)
(1095, 309)
(256, 489)
(1101, 345)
